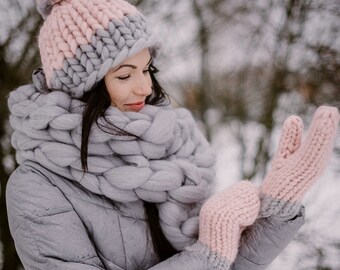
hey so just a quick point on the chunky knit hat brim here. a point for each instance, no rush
(81, 40)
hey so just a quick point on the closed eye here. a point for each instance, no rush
(124, 78)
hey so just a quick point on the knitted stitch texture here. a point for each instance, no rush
(81, 40)
(296, 166)
(222, 219)
(167, 162)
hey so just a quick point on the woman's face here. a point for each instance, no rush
(130, 83)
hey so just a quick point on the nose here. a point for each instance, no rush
(143, 86)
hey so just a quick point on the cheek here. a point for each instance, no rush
(149, 79)
(115, 91)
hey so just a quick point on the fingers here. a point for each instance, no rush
(224, 216)
(290, 140)
(325, 116)
(239, 203)
(292, 180)
(317, 148)
(314, 153)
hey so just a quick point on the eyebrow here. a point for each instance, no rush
(131, 66)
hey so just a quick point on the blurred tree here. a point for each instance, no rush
(255, 63)
(18, 54)
(281, 55)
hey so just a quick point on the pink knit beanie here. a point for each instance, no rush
(81, 40)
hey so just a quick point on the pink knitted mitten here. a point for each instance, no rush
(222, 219)
(297, 166)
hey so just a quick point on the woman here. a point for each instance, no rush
(112, 177)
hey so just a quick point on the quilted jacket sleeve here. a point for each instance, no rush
(188, 260)
(260, 244)
(47, 232)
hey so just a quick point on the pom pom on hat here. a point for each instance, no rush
(44, 7)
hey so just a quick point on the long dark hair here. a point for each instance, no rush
(97, 100)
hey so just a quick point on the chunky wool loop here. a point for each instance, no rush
(167, 162)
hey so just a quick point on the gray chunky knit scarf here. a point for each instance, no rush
(168, 162)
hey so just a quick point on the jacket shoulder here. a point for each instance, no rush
(47, 232)
(30, 194)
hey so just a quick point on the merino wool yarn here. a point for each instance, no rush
(298, 165)
(81, 40)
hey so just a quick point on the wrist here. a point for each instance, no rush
(278, 208)
(215, 260)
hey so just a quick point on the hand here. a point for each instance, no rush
(296, 166)
(264, 240)
(222, 219)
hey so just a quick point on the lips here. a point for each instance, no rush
(136, 106)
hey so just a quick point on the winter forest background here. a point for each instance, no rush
(242, 67)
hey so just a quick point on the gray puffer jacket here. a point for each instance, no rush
(57, 224)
